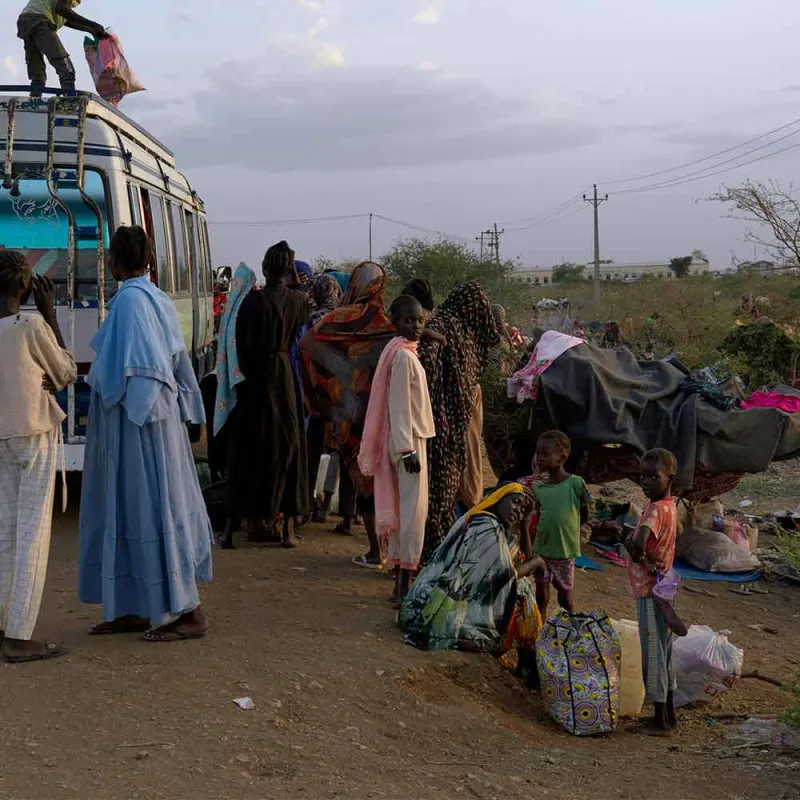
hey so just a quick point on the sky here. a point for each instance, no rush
(451, 115)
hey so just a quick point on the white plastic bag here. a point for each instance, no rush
(706, 664)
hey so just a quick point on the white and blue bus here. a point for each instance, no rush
(74, 169)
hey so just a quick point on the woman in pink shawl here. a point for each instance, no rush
(394, 445)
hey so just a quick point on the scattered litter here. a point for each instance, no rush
(300, 569)
(763, 629)
(698, 590)
(380, 673)
(746, 504)
(142, 755)
(245, 703)
(762, 733)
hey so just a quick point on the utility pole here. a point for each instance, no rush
(596, 203)
(493, 238)
(370, 237)
(497, 235)
(481, 240)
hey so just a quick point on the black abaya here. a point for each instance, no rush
(267, 456)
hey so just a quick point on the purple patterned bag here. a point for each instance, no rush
(579, 658)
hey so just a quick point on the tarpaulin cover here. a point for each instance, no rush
(602, 397)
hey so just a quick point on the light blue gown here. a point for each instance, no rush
(145, 537)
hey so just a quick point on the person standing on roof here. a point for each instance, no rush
(38, 27)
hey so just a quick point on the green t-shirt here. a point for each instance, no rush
(47, 9)
(558, 532)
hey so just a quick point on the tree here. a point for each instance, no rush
(699, 255)
(772, 206)
(445, 264)
(680, 266)
(568, 273)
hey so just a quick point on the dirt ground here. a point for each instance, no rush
(343, 708)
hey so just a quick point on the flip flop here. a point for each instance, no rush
(361, 561)
(50, 651)
(165, 637)
(117, 627)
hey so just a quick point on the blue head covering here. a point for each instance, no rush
(228, 373)
(139, 339)
(343, 279)
(304, 269)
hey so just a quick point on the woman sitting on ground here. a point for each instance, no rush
(474, 593)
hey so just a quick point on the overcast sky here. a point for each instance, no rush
(453, 115)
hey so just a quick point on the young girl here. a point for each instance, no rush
(652, 552)
(398, 425)
(563, 505)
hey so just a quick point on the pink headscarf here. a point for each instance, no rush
(374, 458)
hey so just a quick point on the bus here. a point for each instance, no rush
(74, 168)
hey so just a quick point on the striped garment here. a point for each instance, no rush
(27, 485)
(658, 664)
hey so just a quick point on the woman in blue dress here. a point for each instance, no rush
(145, 537)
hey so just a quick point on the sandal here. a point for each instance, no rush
(363, 561)
(50, 651)
(120, 626)
(159, 636)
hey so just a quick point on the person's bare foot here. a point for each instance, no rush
(188, 626)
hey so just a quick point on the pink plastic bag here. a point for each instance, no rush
(110, 70)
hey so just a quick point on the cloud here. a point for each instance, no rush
(428, 16)
(427, 66)
(361, 118)
(11, 66)
(328, 55)
(310, 5)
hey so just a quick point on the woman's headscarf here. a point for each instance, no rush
(340, 356)
(488, 503)
(420, 290)
(228, 373)
(326, 294)
(342, 278)
(453, 369)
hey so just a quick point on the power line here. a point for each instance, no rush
(692, 179)
(706, 158)
(304, 221)
(532, 221)
(420, 229)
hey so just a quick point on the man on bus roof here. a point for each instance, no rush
(38, 27)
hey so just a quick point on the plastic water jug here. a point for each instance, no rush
(631, 688)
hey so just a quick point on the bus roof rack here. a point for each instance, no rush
(47, 90)
(52, 91)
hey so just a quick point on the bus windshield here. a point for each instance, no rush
(34, 224)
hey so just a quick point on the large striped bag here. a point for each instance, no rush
(579, 658)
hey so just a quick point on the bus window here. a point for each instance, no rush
(136, 209)
(35, 224)
(207, 277)
(156, 229)
(183, 282)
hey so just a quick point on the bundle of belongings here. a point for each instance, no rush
(112, 75)
(579, 659)
(607, 401)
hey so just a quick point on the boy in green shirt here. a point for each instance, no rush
(564, 505)
(38, 27)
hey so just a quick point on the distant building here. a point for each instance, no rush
(610, 271)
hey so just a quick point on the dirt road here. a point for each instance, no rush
(342, 707)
